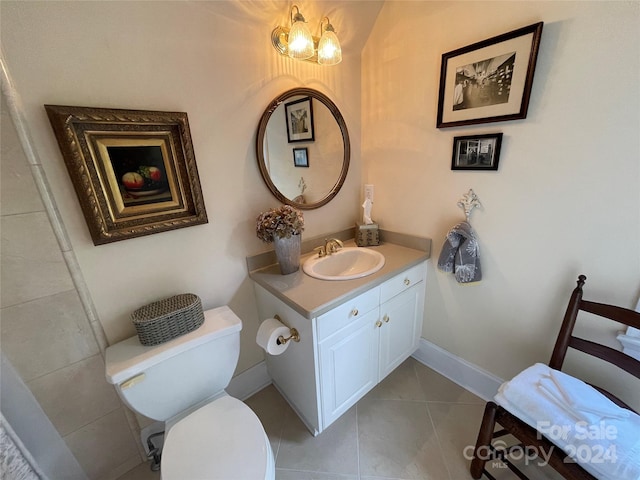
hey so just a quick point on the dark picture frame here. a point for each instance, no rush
(300, 157)
(134, 171)
(299, 118)
(489, 81)
(476, 152)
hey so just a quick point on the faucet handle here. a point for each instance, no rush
(321, 251)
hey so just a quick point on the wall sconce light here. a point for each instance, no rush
(297, 41)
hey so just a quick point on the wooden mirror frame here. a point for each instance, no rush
(262, 127)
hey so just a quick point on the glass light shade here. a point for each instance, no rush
(329, 51)
(300, 41)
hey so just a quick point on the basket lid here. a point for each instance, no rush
(129, 357)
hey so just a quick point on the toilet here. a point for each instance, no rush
(209, 435)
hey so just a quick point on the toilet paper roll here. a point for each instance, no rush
(268, 334)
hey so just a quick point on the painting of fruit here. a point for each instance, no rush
(134, 171)
(155, 174)
(139, 169)
(132, 180)
(151, 174)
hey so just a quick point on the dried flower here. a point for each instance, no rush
(279, 222)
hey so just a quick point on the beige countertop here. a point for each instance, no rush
(312, 297)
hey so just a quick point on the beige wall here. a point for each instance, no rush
(176, 56)
(47, 337)
(172, 56)
(565, 200)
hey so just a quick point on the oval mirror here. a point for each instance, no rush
(303, 148)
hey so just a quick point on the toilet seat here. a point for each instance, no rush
(224, 440)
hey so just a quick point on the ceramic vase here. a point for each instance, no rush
(288, 253)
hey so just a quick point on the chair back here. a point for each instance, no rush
(566, 338)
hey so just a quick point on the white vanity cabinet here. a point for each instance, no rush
(401, 307)
(346, 351)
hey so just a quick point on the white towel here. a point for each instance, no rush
(580, 399)
(603, 437)
(631, 340)
(631, 331)
(16, 463)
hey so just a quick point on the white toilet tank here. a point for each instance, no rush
(162, 381)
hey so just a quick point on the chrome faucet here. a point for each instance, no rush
(331, 245)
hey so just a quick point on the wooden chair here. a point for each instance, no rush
(528, 436)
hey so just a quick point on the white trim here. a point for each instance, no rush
(458, 370)
(251, 381)
(314, 431)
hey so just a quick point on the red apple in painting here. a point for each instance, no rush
(155, 174)
(132, 180)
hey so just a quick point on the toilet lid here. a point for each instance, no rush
(222, 440)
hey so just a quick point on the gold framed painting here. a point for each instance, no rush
(134, 171)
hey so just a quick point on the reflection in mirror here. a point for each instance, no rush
(303, 148)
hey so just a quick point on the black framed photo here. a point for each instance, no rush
(300, 157)
(299, 116)
(489, 81)
(134, 171)
(476, 152)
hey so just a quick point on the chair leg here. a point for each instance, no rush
(482, 451)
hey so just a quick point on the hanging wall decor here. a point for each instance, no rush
(476, 152)
(489, 81)
(300, 157)
(299, 116)
(134, 171)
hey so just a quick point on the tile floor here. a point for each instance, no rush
(415, 425)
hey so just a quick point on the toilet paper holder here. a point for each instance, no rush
(295, 336)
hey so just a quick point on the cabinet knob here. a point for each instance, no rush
(407, 281)
(378, 324)
(386, 318)
(354, 312)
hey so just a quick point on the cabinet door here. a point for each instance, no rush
(348, 366)
(401, 323)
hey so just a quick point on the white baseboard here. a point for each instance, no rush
(252, 380)
(458, 370)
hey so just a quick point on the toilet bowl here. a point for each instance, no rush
(222, 440)
(209, 435)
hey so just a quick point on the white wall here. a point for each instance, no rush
(178, 56)
(565, 200)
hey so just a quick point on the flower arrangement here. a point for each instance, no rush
(279, 222)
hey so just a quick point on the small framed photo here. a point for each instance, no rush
(489, 81)
(300, 157)
(476, 152)
(299, 116)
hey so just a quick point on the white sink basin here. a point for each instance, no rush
(346, 264)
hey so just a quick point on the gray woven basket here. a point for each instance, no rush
(167, 319)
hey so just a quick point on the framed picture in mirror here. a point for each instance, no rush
(300, 157)
(134, 171)
(299, 116)
(476, 152)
